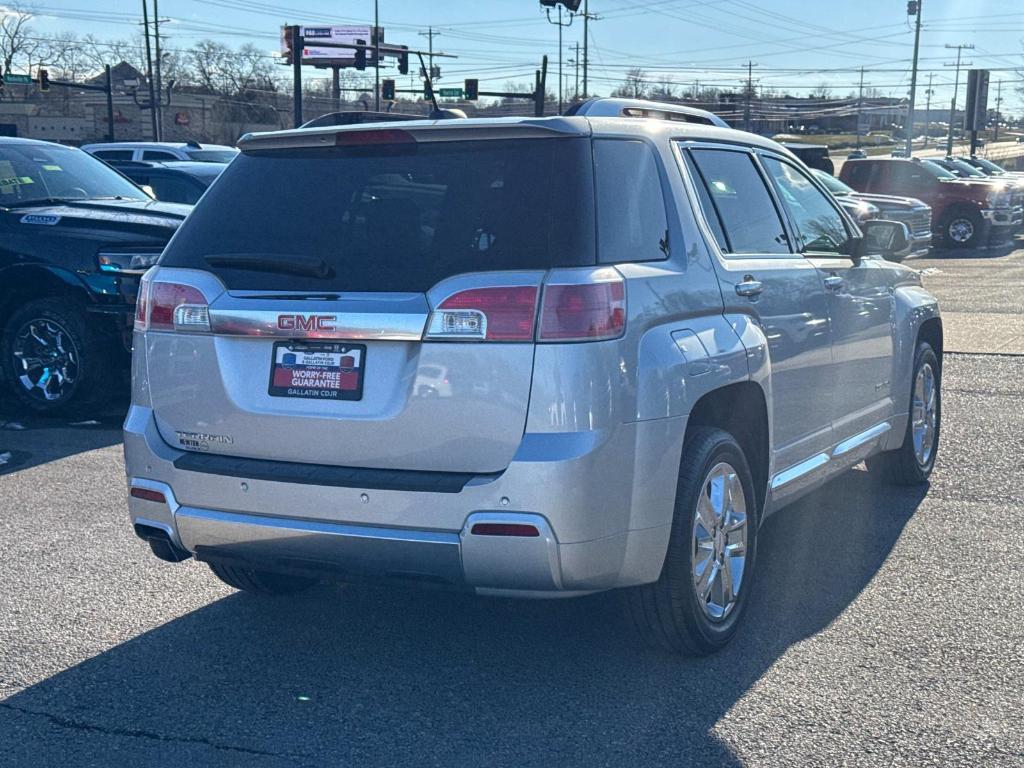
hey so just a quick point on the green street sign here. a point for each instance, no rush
(450, 93)
(18, 79)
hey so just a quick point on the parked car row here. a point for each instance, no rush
(969, 204)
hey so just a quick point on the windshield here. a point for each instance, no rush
(937, 170)
(988, 165)
(832, 184)
(967, 168)
(212, 155)
(30, 172)
(394, 217)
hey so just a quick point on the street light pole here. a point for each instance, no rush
(956, 87)
(376, 54)
(560, 25)
(908, 129)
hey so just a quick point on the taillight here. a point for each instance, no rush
(171, 306)
(583, 311)
(486, 314)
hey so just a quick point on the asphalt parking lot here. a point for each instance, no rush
(886, 627)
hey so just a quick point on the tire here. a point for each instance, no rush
(58, 327)
(669, 613)
(963, 229)
(910, 464)
(260, 582)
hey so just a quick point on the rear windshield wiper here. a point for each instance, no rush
(290, 264)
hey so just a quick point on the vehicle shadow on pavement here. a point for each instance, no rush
(370, 676)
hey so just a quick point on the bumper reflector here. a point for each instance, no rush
(148, 495)
(503, 529)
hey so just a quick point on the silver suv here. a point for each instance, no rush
(525, 357)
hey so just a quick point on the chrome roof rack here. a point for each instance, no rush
(657, 110)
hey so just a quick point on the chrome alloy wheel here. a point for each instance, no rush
(719, 541)
(960, 230)
(923, 414)
(46, 359)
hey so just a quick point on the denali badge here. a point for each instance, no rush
(200, 441)
(306, 322)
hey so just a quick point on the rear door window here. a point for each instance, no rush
(114, 154)
(395, 218)
(175, 189)
(158, 155)
(631, 220)
(747, 219)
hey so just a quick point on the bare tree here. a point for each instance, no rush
(665, 90)
(17, 38)
(634, 86)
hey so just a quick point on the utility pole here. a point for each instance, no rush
(576, 86)
(913, 9)
(750, 95)
(561, 25)
(956, 87)
(430, 34)
(376, 54)
(928, 109)
(149, 68)
(860, 104)
(999, 101)
(158, 106)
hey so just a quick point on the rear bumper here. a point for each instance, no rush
(600, 502)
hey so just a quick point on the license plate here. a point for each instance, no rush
(318, 370)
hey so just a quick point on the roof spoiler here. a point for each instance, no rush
(656, 110)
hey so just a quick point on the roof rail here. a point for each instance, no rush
(608, 107)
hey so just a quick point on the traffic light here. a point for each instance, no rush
(912, 8)
(403, 62)
(44, 80)
(360, 55)
(472, 89)
(387, 90)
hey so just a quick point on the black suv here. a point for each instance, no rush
(75, 237)
(171, 182)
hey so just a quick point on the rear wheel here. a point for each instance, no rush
(913, 462)
(962, 229)
(260, 582)
(52, 359)
(696, 605)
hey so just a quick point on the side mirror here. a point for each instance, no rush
(884, 238)
(148, 190)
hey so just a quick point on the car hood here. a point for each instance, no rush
(139, 216)
(890, 201)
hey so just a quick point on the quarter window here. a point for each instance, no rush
(741, 213)
(631, 220)
(819, 225)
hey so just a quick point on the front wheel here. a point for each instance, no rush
(963, 229)
(913, 462)
(52, 358)
(696, 605)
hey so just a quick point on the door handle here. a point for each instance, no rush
(834, 282)
(749, 287)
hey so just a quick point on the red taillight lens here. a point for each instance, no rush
(487, 314)
(164, 298)
(365, 138)
(142, 305)
(583, 312)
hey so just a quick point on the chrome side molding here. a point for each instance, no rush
(805, 467)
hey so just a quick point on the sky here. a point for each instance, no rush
(796, 45)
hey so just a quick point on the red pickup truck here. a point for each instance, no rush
(965, 212)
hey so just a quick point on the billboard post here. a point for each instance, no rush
(976, 110)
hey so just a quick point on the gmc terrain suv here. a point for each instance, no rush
(965, 212)
(525, 357)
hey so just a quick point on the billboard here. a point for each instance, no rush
(320, 56)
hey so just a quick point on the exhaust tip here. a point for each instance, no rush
(160, 543)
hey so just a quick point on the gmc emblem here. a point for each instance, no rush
(306, 322)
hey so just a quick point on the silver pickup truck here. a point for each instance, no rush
(523, 357)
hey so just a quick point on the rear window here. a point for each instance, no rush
(392, 218)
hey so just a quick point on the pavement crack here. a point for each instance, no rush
(138, 733)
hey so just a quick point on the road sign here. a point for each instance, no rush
(450, 93)
(18, 79)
